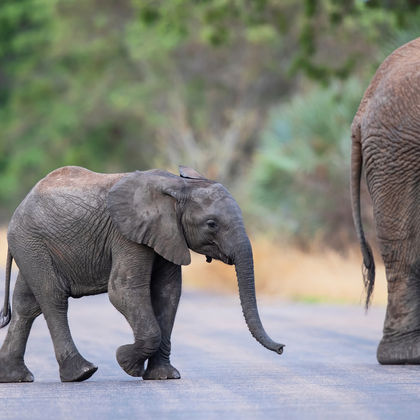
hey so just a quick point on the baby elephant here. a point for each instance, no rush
(81, 233)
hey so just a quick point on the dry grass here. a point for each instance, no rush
(293, 274)
(283, 272)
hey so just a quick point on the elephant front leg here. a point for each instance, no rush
(166, 291)
(129, 292)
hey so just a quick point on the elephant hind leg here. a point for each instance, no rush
(73, 366)
(400, 343)
(50, 292)
(25, 310)
(395, 191)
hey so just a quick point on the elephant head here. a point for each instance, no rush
(173, 214)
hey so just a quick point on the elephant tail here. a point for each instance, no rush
(368, 268)
(6, 312)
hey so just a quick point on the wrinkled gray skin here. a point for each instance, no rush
(81, 233)
(386, 140)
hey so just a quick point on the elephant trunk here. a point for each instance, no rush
(244, 266)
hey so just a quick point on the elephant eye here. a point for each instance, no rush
(211, 224)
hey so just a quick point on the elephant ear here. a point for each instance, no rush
(190, 173)
(145, 213)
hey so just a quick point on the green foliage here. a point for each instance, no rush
(300, 176)
(117, 85)
(134, 84)
(64, 103)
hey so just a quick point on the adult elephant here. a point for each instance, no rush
(80, 233)
(386, 141)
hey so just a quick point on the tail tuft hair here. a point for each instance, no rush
(368, 271)
(5, 318)
(6, 312)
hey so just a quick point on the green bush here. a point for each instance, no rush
(300, 176)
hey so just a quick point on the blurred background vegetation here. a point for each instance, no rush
(258, 94)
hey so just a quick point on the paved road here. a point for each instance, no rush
(328, 369)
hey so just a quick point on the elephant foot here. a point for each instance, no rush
(405, 350)
(14, 371)
(127, 358)
(161, 371)
(76, 369)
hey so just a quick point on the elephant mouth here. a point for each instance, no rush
(226, 260)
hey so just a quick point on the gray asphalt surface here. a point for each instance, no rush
(328, 369)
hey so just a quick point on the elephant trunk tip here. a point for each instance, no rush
(279, 348)
(273, 346)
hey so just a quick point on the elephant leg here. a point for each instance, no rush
(25, 310)
(129, 292)
(166, 291)
(51, 292)
(73, 367)
(400, 343)
(399, 239)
